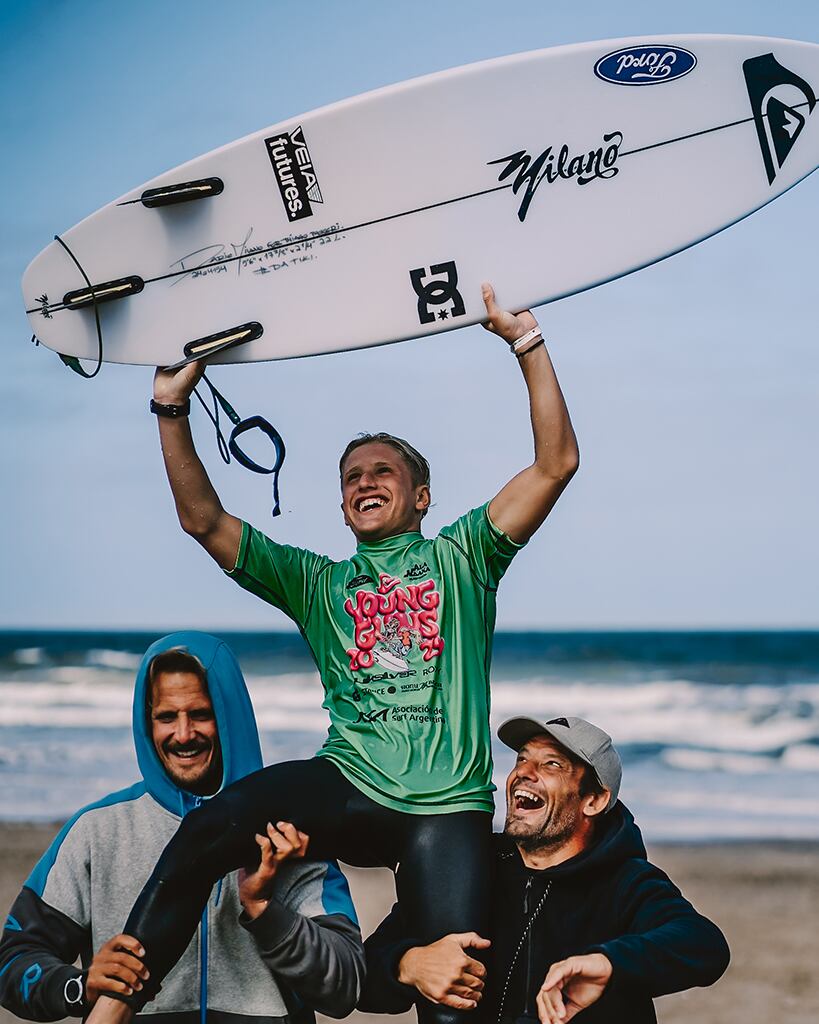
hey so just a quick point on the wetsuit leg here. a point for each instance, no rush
(443, 885)
(217, 838)
(443, 877)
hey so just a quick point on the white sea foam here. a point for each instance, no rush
(701, 760)
(29, 655)
(694, 828)
(751, 802)
(751, 719)
(315, 722)
(712, 760)
(124, 660)
(802, 757)
(296, 689)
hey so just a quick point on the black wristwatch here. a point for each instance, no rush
(173, 412)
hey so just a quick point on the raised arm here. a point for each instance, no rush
(522, 505)
(197, 504)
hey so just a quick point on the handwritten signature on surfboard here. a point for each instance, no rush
(259, 257)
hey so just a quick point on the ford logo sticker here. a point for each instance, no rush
(645, 65)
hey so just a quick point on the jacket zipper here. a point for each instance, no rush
(528, 978)
(203, 953)
(525, 940)
(203, 968)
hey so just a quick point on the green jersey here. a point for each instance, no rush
(402, 637)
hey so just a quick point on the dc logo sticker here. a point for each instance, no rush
(776, 94)
(441, 290)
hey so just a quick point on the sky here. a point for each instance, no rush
(692, 384)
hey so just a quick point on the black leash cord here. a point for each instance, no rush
(71, 361)
(240, 426)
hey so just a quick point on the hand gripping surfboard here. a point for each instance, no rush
(375, 219)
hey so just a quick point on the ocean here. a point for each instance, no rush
(718, 731)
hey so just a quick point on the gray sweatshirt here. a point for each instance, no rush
(303, 953)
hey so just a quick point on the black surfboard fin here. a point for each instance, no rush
(201, 348)
(108, 291)
(183, 192)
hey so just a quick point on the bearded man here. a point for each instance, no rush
(581, 921)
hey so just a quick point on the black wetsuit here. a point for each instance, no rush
(443, 860)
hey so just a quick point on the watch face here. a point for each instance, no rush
(73, 991)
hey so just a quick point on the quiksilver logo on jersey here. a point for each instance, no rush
(778, 101)
(295, 174)
(645, 65)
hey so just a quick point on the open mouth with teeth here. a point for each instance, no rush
(526, 800)
(187, 753)
(370, 503)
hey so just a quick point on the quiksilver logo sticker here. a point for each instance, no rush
(778, 101)
(295, 174)
(645, 65)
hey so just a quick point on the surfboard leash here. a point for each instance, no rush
(240, 426)
(71, 361)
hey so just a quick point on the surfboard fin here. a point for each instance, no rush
(213, 343)
(183, 192)
(106, 292)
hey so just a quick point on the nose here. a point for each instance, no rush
(525, 769)
(184, 729)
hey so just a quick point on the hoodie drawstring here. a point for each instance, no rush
(526, 933)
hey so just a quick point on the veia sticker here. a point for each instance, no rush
(295, 174)
(645, 65)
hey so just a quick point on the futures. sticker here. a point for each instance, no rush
(645, 65)
(295, 174)
(437, 286)
(778, 123)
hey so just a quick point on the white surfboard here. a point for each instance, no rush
(375, 219)
(389, 661)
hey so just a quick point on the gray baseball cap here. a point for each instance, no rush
(579, 737)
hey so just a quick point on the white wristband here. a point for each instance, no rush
(529, 340)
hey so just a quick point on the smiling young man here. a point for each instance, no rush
(401, 633)
(283, 934)
(581, 920)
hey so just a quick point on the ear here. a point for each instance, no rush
(422, 498)
(595, 803)
(344, 514)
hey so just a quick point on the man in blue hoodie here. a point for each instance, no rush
(273, 945)
(582, 922)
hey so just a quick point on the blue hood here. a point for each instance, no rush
(238, 735)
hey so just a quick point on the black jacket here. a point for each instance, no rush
(608, 899)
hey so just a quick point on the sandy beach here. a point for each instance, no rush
(764, 896)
